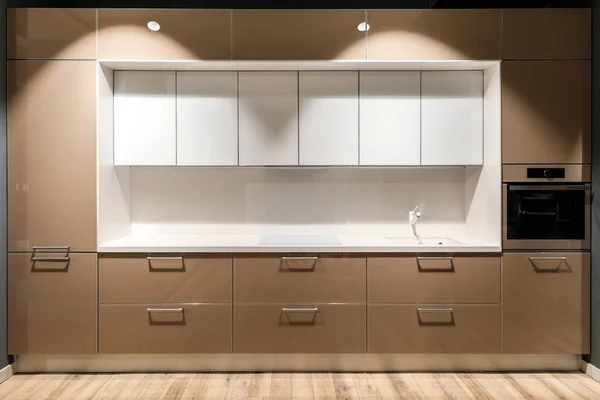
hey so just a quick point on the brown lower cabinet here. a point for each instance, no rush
(165, 329)
(434, 329)
(52, 304)
(313, 328)
(546, 300)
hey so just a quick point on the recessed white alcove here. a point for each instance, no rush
(173, 208)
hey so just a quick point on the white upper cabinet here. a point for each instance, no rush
(207, 116)
(390, 121)
(268, 118)
(328, 117)
(144, 118)
(452, 118)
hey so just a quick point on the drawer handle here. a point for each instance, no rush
(435, 310)
(299, 258)
(308, 267)
(548, 258)
(164, 258)
(51, 249)
(300, 310)
(165, 310)
(435, 258)
(51, 259)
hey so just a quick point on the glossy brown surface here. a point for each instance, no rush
(298, 35)
(183, 34)
(468, 329)
(546, 303)
(132, 329)
(546, 113)
(52, 154)
(274, 279)
(52, 305)
(434, 35)
(51, 33)
(193, 279)
(409, 280)
(547, 33)
(338, 328)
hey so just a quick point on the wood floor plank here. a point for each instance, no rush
(405, 386)
(196, 387)
(443, 386)
(485, 386)
(302, 386)
(281, 386)
(322, 385)
(343, 385)
(365, 386)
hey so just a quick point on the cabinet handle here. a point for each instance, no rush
(51, 259)
(166, 310)
(547, 258)
(435, 258)
(51, 249)
(299, 258)
(304, 310)
(435, 310)
(164, 258)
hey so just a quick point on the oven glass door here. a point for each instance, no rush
(546, 212)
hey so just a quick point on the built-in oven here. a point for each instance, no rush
(546, 207)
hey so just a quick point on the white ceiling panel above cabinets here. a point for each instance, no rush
(207, 114)
(390, 118)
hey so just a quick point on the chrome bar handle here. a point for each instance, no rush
(435, 310)
(306, 310)
(164, 258)
(49, 248)
(435, 258)
(52, 259)
(299, 258)
(165, 310)
(547, 258)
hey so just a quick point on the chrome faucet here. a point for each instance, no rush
(413, 218)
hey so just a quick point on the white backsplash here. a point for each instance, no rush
(307, 200)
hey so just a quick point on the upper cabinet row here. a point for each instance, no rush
(299, 34)
(284, 118)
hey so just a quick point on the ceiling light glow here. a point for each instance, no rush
(153, 26)
(363, 27)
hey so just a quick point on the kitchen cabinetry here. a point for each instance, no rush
(328, 117)
(390, 125)
(268, 118)
(144, 118)
(207, 131)
(546, 111)
(452, 118)
(52, 303)
(546, 303)
(51, 154)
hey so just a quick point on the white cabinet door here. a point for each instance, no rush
(207, 118)
(328, 117)
(268, 118)
(390, 122)
(452, 118)
(144, 118)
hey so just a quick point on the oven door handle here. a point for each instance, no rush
(549, 187)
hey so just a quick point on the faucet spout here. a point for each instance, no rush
(413, 218)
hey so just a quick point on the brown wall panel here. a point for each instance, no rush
(546, 111)
(183, 34)
(298, 35)
(434, 35)
(547, 33)
(51, 33)
(52, 154)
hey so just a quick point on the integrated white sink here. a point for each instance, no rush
(425, 241)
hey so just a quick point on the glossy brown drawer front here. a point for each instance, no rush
(52, 304)
(432, 279)
(546, 300)
(165, 329)
(138, 279)
(315, 328)
(434, 329)
(300, 279)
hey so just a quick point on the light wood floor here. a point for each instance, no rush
(301, 386)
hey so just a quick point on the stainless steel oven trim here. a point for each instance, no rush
(521, 244)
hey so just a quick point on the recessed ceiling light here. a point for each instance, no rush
(363, 26)
(153, 26)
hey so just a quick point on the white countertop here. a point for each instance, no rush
(289, 243)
